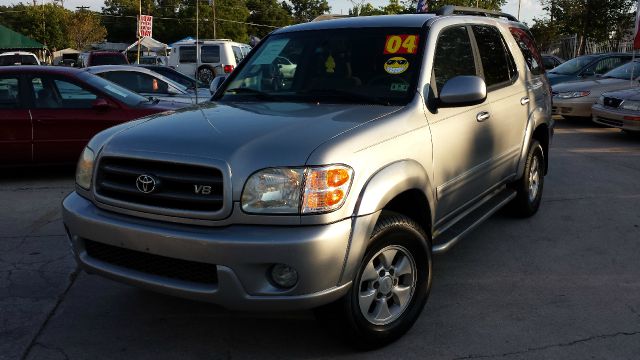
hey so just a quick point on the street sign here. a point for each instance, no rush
(145, 26)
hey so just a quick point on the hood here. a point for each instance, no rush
(246, 136)
(595, 86)
(628, 94)
(555, 78)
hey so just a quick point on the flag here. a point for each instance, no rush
(636, 35)
(423, 6)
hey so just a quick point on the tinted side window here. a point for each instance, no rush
(454, 56)
(60, 94)
(9, 93)
(210, 54)
(187, 54)
(530, 52)
(496, 60)
(607, 64)
(137, 82)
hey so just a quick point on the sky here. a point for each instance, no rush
(529, 8)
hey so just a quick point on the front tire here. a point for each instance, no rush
(391, 286)
(529, 187)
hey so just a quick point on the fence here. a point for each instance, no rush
(567, 47)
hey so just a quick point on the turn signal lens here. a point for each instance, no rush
(326, 188)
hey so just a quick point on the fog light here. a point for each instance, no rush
(284, 275)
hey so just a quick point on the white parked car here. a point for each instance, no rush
(18, 58)
(215, 57)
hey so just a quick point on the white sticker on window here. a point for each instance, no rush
(117, 91)
(270, 52)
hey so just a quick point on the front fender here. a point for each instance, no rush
(379, 190)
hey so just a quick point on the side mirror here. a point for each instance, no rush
(216, 82)
(101, 104)
(463, 91)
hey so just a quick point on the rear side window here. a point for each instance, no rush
(187, 54)
(454, 56)
(237, 53)
(497, 64)
(210, 54)
(9, 93)
(530, 52)
(606, 64)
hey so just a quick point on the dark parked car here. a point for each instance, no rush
(106, 58)
(175, 75)
(47, 114)
(587, 67)
(551, 61)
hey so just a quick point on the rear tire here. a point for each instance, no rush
(529, 187)
(391, 286)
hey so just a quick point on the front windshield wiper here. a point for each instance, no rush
(347, 95)
(250, 91)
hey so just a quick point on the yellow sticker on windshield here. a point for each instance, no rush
(396, 65)
(330, 65)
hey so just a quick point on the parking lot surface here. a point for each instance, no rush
(564, 284)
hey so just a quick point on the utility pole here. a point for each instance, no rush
(519, 3)
(82, 8)
(213, 7)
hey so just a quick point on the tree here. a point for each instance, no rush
(596, 20)
(84, 28)
(307, 10)
(267, 12)
(46, 24)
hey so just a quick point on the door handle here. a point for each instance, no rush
(482, 116)
(524, 101)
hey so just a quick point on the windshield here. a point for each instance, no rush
(105, 59)
(368, 65)
(625, 71)
(114, 90)
(573, 66)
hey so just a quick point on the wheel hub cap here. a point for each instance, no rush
(387, 285)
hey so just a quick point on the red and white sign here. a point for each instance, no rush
(145, 26)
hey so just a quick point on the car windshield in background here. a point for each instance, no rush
(626, 71)
(108, 60)
(367, 65)
(17, 60)
(118, 92)
(573, 66)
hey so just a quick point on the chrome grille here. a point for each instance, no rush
(175, 184)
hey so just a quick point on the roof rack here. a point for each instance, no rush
(461, 10)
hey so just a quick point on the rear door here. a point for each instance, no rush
(15, 123)
(64, 117)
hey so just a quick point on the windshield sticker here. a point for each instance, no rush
(401, 44)
(330, 65)
(396, 65)
(270, 51)
(399, 87)
(116, 91)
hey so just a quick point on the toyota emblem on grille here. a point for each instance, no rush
(146, 183)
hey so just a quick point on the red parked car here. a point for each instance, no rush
(48, 114)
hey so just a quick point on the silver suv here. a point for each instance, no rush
(328, 185)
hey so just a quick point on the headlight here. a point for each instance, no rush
(630, 105)
(297, 190)
(84, 170)
(573, 94)
(600, 100)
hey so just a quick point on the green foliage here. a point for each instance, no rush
(267, 12)
(596, 20)
(410, 5)
(84, 28)
(307, 10)
(46, 24)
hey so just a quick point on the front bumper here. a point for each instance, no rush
(241, 254)
(621, 119)
(580, 107)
